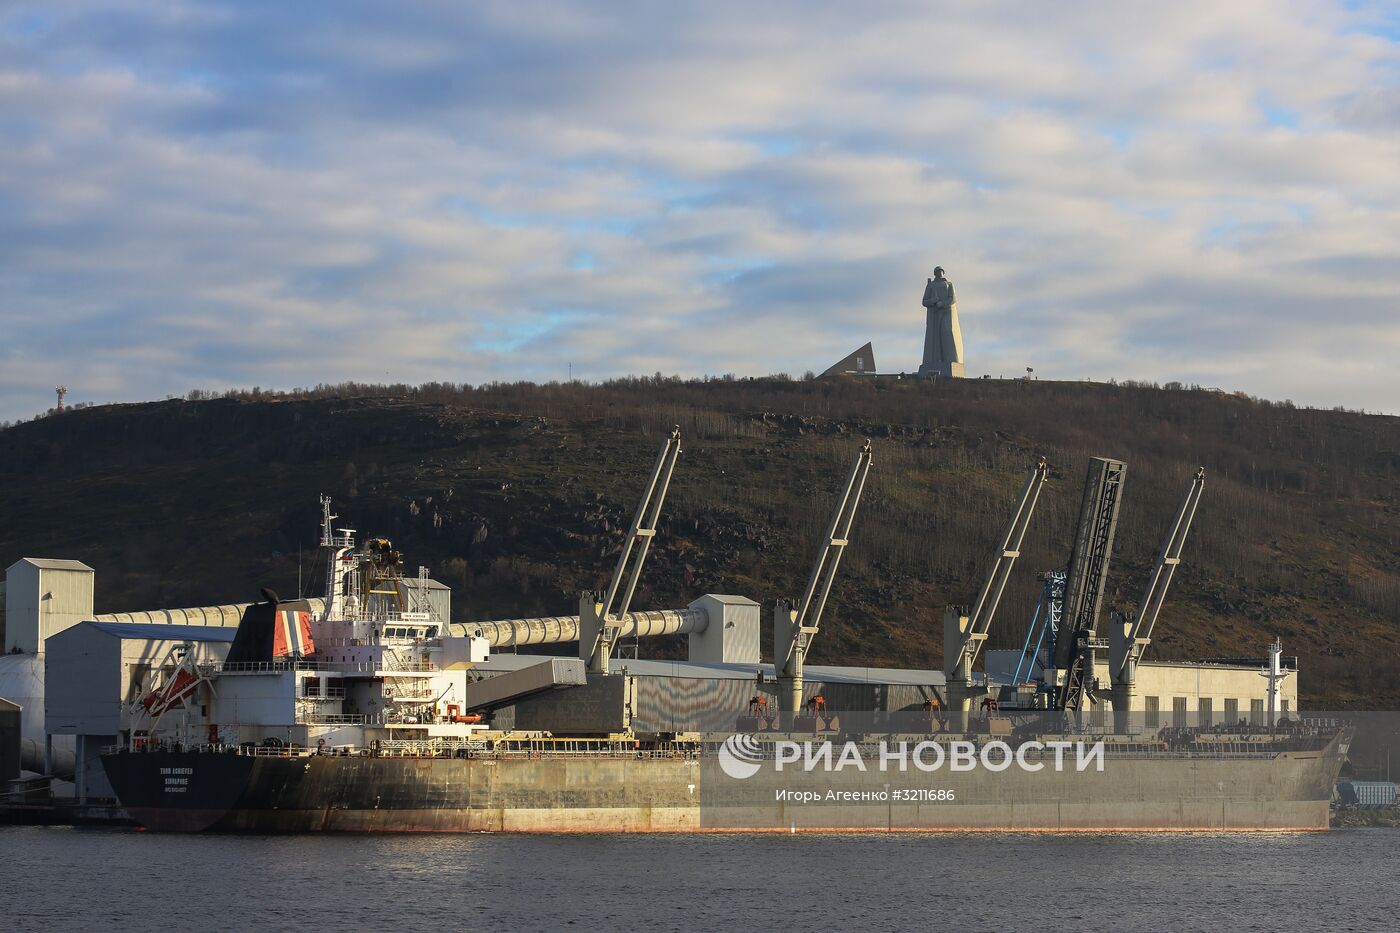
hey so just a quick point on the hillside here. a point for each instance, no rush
(517, 495)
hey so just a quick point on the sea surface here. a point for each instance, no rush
(90, 879)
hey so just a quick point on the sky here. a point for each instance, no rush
(209, 195)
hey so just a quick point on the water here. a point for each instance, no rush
(59, 879)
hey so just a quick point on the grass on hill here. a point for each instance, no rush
(517, 497)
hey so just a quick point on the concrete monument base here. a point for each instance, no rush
(947, 371)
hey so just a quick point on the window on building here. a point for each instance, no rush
(1232, 712)
(1178, 711)
(1205, 705)
(311, 687)
(1256, 712)
(1152, 706)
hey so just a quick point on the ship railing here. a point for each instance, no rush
(409, 696)
(1236, 750)
(408, 617)
(568, 749)
(311, 714)
(394, 749)
(555, 750)
(283, 751)
(395, 664)
(279, 751)
(338, 719)
(298, 665)
(650, 754)
(434, 749)
(397, 748)
(268, 751)
(375, 640)
(342, 667)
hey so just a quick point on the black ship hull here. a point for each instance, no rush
(203, 791)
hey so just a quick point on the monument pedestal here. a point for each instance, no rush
(943, 371)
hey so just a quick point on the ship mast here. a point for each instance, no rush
(342, 589)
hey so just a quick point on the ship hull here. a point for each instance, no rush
(201, 791)
(237, 793)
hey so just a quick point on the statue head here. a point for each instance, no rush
(938, 272)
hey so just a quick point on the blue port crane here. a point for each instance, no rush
(1044, 627)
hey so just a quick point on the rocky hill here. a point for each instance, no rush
(517, 497)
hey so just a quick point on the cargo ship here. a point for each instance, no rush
(366, 711)
(341, 721)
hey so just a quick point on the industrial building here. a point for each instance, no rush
(94, 675)
(44, 597)
(1169, 692)
(720, 629)
(654, 697)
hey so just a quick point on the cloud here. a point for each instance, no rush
(213, 195)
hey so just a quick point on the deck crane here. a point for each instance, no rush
(1044, 627)
(1073, 673)
(965, 635)
(793, 631)
(599, 625)
(1129, 640)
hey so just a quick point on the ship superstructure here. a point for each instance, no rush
(372, 669)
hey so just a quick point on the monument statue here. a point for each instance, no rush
(943, 346)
